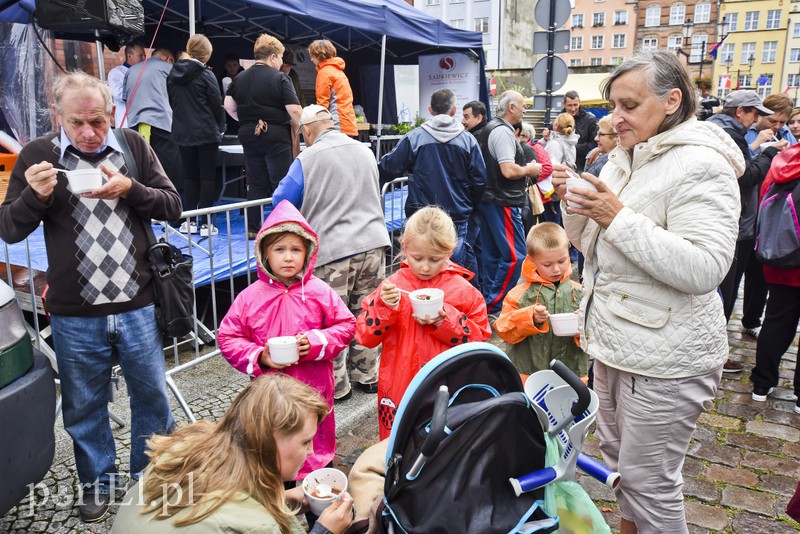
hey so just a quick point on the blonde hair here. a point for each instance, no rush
(605, 120)
(546, 236)
(795, 111)
(199, 47)
(80, 81)
(203, 465)
(265, 46)
(564, 124)
(432, 225)
(322, 49)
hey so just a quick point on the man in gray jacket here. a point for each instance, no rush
(334, 184)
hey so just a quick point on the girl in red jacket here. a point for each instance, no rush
(409, 342)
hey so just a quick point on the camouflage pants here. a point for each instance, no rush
(353, 279)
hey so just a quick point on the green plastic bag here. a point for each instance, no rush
(566, 499)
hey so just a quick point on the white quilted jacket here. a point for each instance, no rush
(650, 304)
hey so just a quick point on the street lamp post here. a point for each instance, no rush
(688, 30)
(729, 62)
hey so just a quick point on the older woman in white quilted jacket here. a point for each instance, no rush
(658, 236)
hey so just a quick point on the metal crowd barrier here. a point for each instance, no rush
(228, 261)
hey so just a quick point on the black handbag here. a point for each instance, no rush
(173, 286)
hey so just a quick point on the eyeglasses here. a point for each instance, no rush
(608, 134)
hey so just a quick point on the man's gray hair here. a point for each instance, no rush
(663, 72)
(505, 101)
(443, 101)
(81, 81)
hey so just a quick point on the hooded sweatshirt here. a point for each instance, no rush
(786, 169)
(198, 117)
(650, 304)
(561, 148)
(268, 308)
(408, 345)
(444, 166)
(334, 92)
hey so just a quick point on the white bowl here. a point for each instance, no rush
(564, 324)
(84, 180)
(283, 350)
(327, 475)
(427, 302)
(577, 182)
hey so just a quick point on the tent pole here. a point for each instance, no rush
(191, 17)
(380, 98)
(101, 64)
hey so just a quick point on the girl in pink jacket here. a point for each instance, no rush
(288, 300)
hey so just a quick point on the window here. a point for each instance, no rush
(769, 52)
(794, 55)
(773, 19)
(733, 21)
(702, 13)
(764, 83)
(457, 23)
(793, 81)
(699, 47)
(618, 40)
(748, 50)
(596, 61)
(652, 16)
(599, 19)
(620, 17)
(796, 32)
(597, 42)
(649, 42)
(575, 62)
(724, 84)
(431, 2)
(617, 60)
(751, 21)
(726, 53)
(576, 43)
(456, 1)
(482, 24)
(745, 81)
(677, 14)
(674, 42)
(577, 21)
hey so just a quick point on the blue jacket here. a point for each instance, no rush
(444, 165)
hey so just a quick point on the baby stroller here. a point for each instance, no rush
(467, 449)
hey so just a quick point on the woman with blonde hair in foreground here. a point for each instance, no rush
(228, 476)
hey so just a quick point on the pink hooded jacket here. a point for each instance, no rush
(268, 308)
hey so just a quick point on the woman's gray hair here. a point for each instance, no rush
(663, 73)
(528, 130)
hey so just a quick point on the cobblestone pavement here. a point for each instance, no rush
(742, 467)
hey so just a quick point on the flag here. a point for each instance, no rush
(762, 80)
(714, 48)
(726, 81)
(788, 88)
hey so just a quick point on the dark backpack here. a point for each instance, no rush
(778, 229)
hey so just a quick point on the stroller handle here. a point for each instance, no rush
(584, 397)
(435, 434)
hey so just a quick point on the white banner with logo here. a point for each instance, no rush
(454, 71)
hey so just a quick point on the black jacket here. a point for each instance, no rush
(499, 189)
(198, 117)
(586, 128)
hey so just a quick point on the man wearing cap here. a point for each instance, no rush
(739, 111)
(334, 184)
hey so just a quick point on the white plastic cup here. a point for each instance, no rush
(427, 302)
(283, 350)
(564, 324)
(84, 180)
(577, 182)
(327, 475)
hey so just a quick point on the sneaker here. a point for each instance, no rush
(732, 366)
(188, 228)
(797, 407)
(208, 229)
(93, 506)
(760, 394)
(752, 332)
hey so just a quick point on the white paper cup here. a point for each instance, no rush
(427, 302)
(283, 350)
(84, 180)
(577, 182)
(564, 324)
(332, 477)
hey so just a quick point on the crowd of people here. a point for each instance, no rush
(666, 227)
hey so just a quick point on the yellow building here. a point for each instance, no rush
(756, 51)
